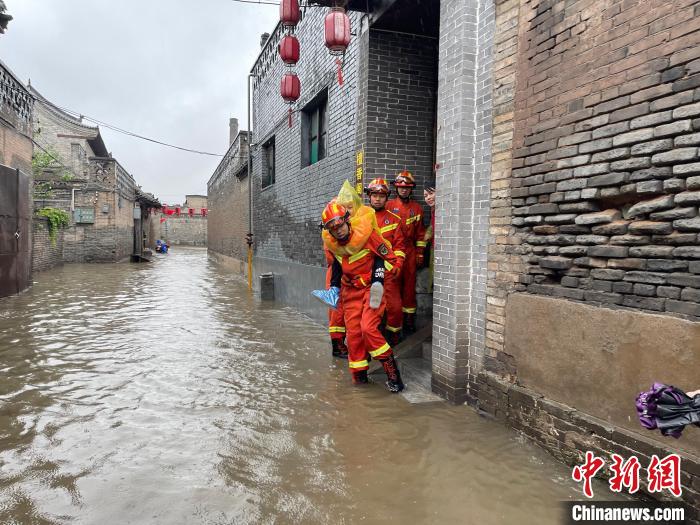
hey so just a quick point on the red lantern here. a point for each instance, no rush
(289, 50)
(289, 12)
(337, 28)
(190, 212)
(177, 211)
(291, 90)
(204, 212)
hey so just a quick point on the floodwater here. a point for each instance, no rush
(163, 393)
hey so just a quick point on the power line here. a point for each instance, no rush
(131, 133)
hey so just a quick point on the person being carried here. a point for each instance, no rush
(361, 258)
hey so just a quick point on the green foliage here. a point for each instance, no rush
(57, 219)
(43, 190)
(49, 159)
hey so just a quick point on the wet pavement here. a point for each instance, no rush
(163, 393)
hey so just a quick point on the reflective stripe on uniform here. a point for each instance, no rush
(399, 253)
(380, 350)
(358, 364)
(339, 258)
(421, 244)
(389, 228)
(388, 265)
(413, 219)
(393, 328)
(408, 310)
(359, 255)
(336, 329)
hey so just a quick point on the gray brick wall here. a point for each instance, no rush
(462, 205)
(401, 105)
(286, 213)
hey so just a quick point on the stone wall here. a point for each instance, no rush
(185, 230)
(45, 254)
(593, 217)
(606, 177)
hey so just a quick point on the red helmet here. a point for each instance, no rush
(404, 180)
(377, 185)
(334, 215)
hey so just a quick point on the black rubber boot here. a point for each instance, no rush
(409, 323)
(339, 348)
(359, 377)
(393, 376)
(393, 338)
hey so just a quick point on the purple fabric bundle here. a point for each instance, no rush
(667, 408)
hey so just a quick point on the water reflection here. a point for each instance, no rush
(163, 393)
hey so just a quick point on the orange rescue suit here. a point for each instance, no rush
(356, 259)
(415, 237)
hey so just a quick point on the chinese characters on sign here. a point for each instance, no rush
(661, 474)
(359, 170)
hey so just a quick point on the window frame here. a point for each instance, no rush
(269, 176)
(314, 129)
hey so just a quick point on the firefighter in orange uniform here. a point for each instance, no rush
(361, 258)
(391, 228)
(412, 214)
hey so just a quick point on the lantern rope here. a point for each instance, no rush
(339, 63)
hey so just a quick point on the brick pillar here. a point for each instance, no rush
(463, 186)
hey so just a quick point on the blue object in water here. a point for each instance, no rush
(328, 297)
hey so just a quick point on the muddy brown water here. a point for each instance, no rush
(163, 393)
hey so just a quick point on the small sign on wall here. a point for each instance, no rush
(84, 215)
(359, 170)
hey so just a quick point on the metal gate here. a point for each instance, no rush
(15, 237)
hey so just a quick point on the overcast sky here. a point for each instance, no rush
(173, 70)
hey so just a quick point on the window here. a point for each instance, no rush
(314, 129)
(268, 175)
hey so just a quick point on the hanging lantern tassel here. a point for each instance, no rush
(290, 116)
(339, 63)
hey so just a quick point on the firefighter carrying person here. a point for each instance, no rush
(415, 236)
(391, 227)
(336, 323)
(361, 258)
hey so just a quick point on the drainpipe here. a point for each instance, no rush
(249, 237)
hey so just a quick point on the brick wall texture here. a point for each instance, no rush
(100, 183)
(595, 173)
(286, 214)
(227, 199)
(594, 192)
(45, 254)
(386, 108)
(464, 122)
(185, 230)
(606, 179)
(401, 104)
